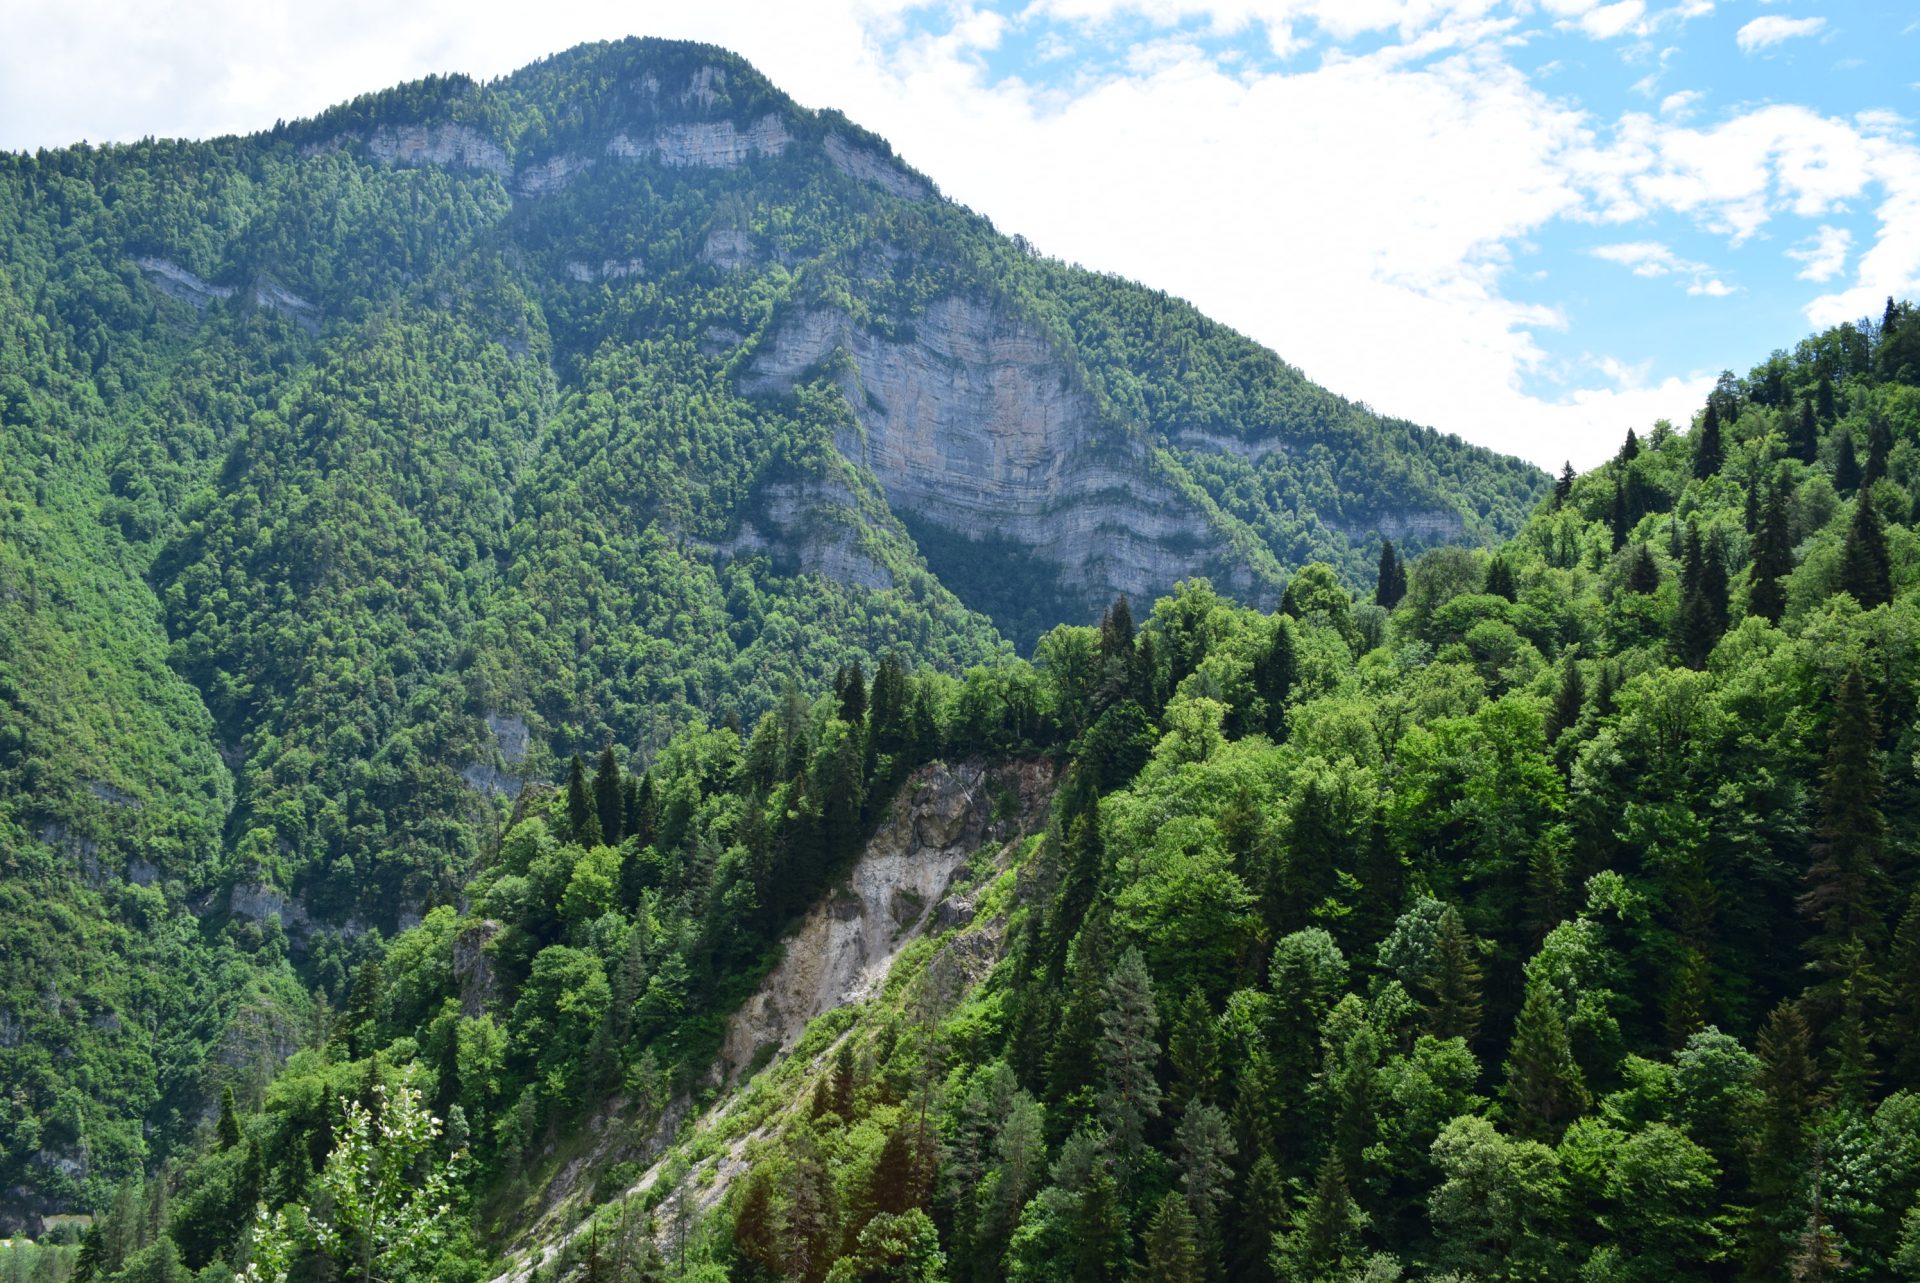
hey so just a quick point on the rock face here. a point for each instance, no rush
(708, 144)
(456, 146)
(811, 527)
(975, 423)
(868, 166)
(177, 282)
(844, 947)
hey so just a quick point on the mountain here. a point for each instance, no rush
(357, 474)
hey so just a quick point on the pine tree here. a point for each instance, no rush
(1563, 488)
(1567, 702)
(1708, 451)
(1545, 1089)
(1173, 1247)
(1129, 1051)
(1772, 555)
(1866, 569)
(1846, 465)
(609, 798)
(1452, 981)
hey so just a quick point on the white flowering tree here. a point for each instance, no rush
(381, 1211)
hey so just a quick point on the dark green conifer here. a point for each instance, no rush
(1568, 702)
(1630, 448)
(1694, 633)
(1193, 1048)
(1260, 1219)
(580, 809)
(1708, 450)
(228, 1130)
(1846, 465)
(1274, 674)
(1617, 519)
(1866, 568)
(1772, 555)
(1499, 578)
(1545, 1089)
(1390, 581)
(1172, 1246)
(1452, 981)
(1806, 435)
(1847, 883)
(609, 798)
(1563, 487)
(852, 693)
(1643, 572)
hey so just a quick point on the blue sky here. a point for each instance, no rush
(1536, 224)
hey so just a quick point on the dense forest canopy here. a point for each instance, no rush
(446, 648)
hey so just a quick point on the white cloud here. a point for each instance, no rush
(1653, 259)
(1824, 253)
(1764, 33)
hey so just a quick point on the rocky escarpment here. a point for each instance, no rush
(976, 424)
(842, 951)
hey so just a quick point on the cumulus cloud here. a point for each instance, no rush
(1764, 33)
(1824, 254)
(1653, 259)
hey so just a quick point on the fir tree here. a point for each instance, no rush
(1274, 674)
(1708, 451)
(1617, 519)
(852, 693)
(1205, 1148)
(1643, 572)
(1772, 555)
(1823, 399)
(1129, 1052)
(1499, 578)
(1545, 1089)
(580, 810)
(1846, 466)
(1452, 981)
(1260, 1219)
(1866, 568)
(1630, 448)
(609, 798)
(1325, 1242)
(1194, 1050)
(1694, 632)
(1568, 701)
(1713, 582)
(1172, 1246)
(1903, 994)
(1847, 885)
(1383, 576)
(1879, 446)
(227, 1131)
(1563, 487)
(1804, 444)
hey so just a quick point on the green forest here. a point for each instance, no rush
(434, 687)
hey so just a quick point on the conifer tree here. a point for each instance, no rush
(1693, 631)
(1260, 1219)
(851, 690)
(1172, 1246)
(1823, 399)
(1603, 691)
(1129, 1051)
(1545, 1089)
(1452, 981)
(1803, 437)
(1879, 446)
(227, 1131)
(1630, 448)
(1772, 555)
(1903, 995)
(1713, 581)
(1617, 520)
(580, 810)
(1205, 1148)
(1324, 1244)
(1643, 572)
(1846, 465)
(1563, 487)
(1274, 674)
(1866, 568)
(1847, 885)
(1568, 701)
(1193, 1047)
(1708, 451)
(1499, 578)
(609, 798)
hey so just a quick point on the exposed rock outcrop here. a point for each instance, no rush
(843, 949)
(177, 282)
(809, 527)
(456, 146)
(710, 144)
(869, 166)
(976, 423)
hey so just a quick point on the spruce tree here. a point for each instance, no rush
(1193, 1048)
(1693, 629)
(1708, 451)
(1389, 581)
(1804, 444)
(1324, 1244)
(1713, 582)
(1847, 883)
(1563, 488)
(1866, 568)
(1879, 446)
(1499, 581)
(1643, 572)
(1129, 1052)
(1452, 980)
(1173, 1245)
(1630, 448)
(1772, 555)
(1823, 399)
(1780, 1135)
(228, 1130)
(1568, 701)
(1617, 520)
(1260, 1219)
(1274, 674)
(1205, 1148)
(1903, 995)
(580, 809)
(1545, 1089)
(609, 798)
(1846, 466)
(852, 692)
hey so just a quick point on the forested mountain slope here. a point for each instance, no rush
(356, 473)
(1558, 917)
